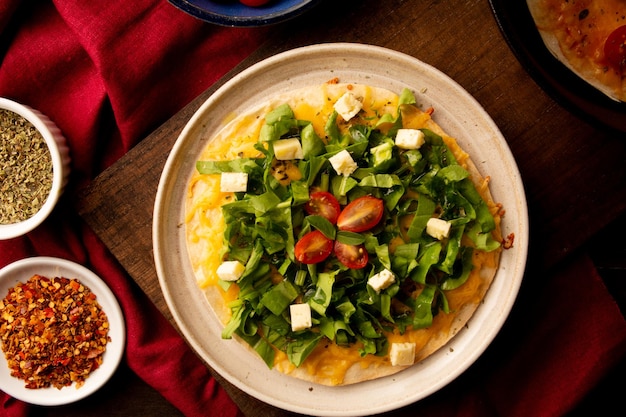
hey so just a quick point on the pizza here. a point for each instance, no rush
(589, 37)
(339, 233)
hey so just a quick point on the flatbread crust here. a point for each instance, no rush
(236, 140)
(575, 32)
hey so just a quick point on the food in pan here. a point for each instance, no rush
(340, 232)
(587, 36)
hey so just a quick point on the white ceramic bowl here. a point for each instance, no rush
(22, 271)
(60, 164)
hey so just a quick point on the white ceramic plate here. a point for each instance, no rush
(22, 271)
(455, 110)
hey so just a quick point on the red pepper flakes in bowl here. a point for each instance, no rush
(53, 332)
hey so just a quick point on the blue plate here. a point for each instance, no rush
(233, 13)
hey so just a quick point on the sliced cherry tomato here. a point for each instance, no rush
(615, 49)
(323, 203)
(313, 247)
(361, 214)
(352, 256)
(254, 3)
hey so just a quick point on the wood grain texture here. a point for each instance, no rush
(574, 173)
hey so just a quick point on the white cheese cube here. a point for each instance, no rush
(348, 106)
(300, 316)
(343, 163)
(230, 270)
(409, 138)
(287, 149)
(381, 280)
(438, 228)
(402, 354)
(233, 182)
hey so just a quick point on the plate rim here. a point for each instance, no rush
(267, 65)
(115, 349)
(559, 82)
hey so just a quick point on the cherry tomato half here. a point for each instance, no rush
(615, 49)
(361, 214)
(323, 203)
(254, 3)
(352, 256)
(313, 247)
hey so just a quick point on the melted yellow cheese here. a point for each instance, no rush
(205, 228)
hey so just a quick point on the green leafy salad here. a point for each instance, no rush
(348, 237)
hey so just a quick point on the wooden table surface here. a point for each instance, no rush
(574, 172)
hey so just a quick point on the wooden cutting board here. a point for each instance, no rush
(560, 157)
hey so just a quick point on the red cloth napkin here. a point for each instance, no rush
(108, 73)
(564, 335)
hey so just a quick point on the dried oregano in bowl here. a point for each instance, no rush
(34, 166)
(25, 168)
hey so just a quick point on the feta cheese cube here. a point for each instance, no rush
(233, 182)
(402, 354)
(348, 106)
(438, 228)
(230, 270)
(409, 138)
(300, 316)
(287, 149)
(381, 280)
(343, 163)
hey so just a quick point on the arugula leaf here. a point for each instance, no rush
(323, 293)
(238, 317)
(301, 347)
(458, 279)
(312, 145)
(425, 209)
(350, 238)
(406, 97)
(321, 224)
(423, 316)
(278, 122)
(331, 129)
(278, 298)
(453, 246)
(428, 257)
